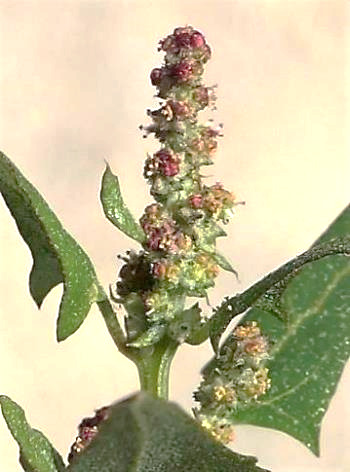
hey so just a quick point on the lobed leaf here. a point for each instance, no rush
(309, 346)
(36, 452)
(144, 434)
(56, 255)
(267, 291)
(115, 209)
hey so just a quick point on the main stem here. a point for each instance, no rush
(153, 363)
(154, 368)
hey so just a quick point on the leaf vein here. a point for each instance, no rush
(317, 306)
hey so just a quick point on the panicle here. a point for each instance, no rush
(181, 226)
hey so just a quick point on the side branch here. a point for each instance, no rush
(236, 305)
(113, 326)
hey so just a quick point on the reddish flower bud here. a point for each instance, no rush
(169, 169)
(206, 52)
(196, 201)
(155, 239)
(159, 269)
(151, 217)
(88, 433)
(180, 109)
(197, 39)
(168, 44)
(181, 30)
(214, 132)
(88, 429)
(182, 71)
(167, 163)
(183, 40)
(162, 154)
(201, 95)
(156, 76)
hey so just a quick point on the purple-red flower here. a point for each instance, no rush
(156, 76)
(182, 71)
(163, 162)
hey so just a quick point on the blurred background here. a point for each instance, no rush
(74, 87)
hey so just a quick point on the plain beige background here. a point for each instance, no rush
(74, 89)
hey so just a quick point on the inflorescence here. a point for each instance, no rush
(237, 377)
(179, 256)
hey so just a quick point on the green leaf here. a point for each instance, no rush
(309, 351)
(56, 256)
(115, 209)
(224, 263)
(267, 292)
(143, 434)
(36, 452)
(340, 228)
(153, 334)
(186, 324)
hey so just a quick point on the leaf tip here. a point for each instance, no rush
(60, 336)
(108, 167)
(4, 399)
(62, 332)
(314, 445)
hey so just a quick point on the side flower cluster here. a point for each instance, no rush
(238, 377)
(87, 431)
(181, 227)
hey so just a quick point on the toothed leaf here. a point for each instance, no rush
(310, 345)
(56, 256)
(145, 434)
(36, 452)
(267, 292)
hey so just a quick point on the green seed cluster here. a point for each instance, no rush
(238, 377)
(179, 254)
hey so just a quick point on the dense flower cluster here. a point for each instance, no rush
(87, 430)
(179, 256)
(238, 377)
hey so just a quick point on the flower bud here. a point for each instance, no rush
(166, 269)
(220, 428)
(167, 162)
(196, 201)
(183, 40)
(197, 39)
(182, 72)
(156, 76)
(135, 275)
(201, 95)
(87, 430)
(163, 162)
(180, 109)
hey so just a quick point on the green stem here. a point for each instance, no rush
(153, 363)
(241, 302)
(154, 368)
(113, 326)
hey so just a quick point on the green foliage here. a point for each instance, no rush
(224, 263)
(186, 324)
(302, 308)
(310, 344)
(268, 291)
(153, 334)
(36, 452)
(57, 257)
(145, 434)
(115, 209)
